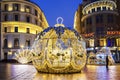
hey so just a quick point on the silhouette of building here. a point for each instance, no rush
(20, 21)
(98, 22)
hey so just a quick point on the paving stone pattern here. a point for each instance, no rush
(28, 72)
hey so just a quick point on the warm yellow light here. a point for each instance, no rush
(22, 46)
(22, 9)
(9, 53)
(10, 8)
(91, 42)
(9, 45)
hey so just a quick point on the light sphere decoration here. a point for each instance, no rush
(59, 50)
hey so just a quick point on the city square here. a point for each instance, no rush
(50, 41)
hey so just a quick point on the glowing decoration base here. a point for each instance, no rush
(100, 57)
(59, 50)
(24, 56)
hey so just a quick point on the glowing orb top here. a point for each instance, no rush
(59, 50)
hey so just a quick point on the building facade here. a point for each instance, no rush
(20, 21)
(98, 22)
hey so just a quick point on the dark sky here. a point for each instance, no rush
(59, 8)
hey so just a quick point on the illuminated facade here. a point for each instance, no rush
(98, 22)
(20, 21)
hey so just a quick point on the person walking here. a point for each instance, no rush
(107, 61)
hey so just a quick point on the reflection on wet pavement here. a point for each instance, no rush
(28, 72)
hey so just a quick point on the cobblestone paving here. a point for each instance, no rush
(28, 72)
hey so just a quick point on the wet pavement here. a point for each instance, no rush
(28, 72)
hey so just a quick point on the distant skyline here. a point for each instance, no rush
(59, 8)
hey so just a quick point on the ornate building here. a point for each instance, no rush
(98, 22)
(20, 21)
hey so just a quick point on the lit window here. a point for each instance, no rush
(118, 42)
(16, 29)
(28, 30)
(102, 42)
(27, 9)
(91, 42)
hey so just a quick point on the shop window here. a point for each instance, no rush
(111, 42)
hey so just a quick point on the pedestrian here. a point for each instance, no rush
(107, 61)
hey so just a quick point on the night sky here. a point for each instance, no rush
(59, 8)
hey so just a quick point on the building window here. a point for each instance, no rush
(16, 42)
(91, 42)
(5, 17)
(16, 29)
(98, 8)
(110, 18)
(5, 43)
(89, 21)
(99, 18)
(16, 7)
(5, 29)
(27, 18)
(36, 13)
(27, 43)
(16, 17)
(6, 7)
(28, 30)
(104, 8)
(111, 42)
(27, 9)
(108, 8)
(93, 10)
(102, 42)
(118, 42)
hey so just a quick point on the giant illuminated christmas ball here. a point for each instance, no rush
(59, 50)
